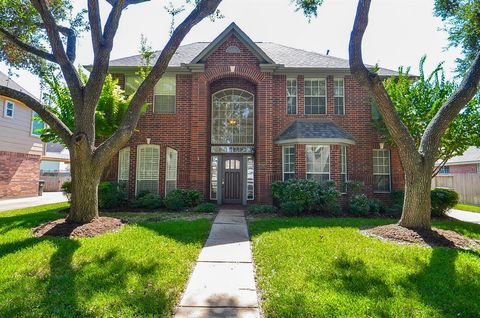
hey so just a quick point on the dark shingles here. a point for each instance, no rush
(306, 129)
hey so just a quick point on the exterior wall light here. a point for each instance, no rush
(148, 141)
(382, 145)
(232, 121)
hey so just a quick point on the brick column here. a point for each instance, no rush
(300, 162)
(335, 165)
(330, 108)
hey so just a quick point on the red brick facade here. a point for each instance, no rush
(19, 174)
(188, 130)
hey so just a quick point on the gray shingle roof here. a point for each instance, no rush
(8, 82)
(471, 155)
(303, 130)
(280, 54)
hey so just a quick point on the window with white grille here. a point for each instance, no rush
(288, 162)
(291, 96)
(339, 96)
(381, 170)
(123, 164)
(171, 170)
(165, 95)
(343, 168)
(318, 162)
(315, 96)
(148, 160)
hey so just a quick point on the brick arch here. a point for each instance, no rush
(249, 73)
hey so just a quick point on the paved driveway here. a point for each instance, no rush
(20, 203)
(471, 217)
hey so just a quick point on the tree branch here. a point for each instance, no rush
(28, 48)
(71, 40)
(69, 72)
(447, 113)
(47, 116)
(95, 24)
(373, 83)
(111, 146)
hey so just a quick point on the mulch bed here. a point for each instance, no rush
(431, 238)
(98, 226)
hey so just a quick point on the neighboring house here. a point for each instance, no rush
(231, 116)
(55, 160)
(469, 162)
(20, 146)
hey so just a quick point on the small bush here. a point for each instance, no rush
(261, 208)
(111, 195)
(354, 187)
(149, 201)
(374, 206)
(206, 208)
(141, 194)
(395, 210)
(67, 189)
(443, 200)
(180, 199)
(359, 204)
(292, 208)
(397, 196)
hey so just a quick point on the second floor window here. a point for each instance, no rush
(315, 96)
(444, 170)
(37, 125)
(165, 95)
(9, 109)
(291, 96)
(339, 96)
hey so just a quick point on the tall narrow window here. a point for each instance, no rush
(148, 157)
(8, 109)
(171, 170)
(343, 168)
(318, 162)
(123, 165)
(291, 96)
(315, 96)
(339, 96)
(37, 125)
(131, 83)
(381, 170)
(214, 177)
(250, 178)
(288, 162)
(165, 95)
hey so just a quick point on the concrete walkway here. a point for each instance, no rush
(20, 203)
(222, 283)
(465, 216)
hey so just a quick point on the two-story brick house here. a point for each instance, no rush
(231, 116)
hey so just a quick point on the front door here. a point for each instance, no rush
(232, 180)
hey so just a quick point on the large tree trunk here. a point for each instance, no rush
(84, 200)
(417, 204)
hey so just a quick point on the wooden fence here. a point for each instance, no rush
(54, 183)
(467, 185)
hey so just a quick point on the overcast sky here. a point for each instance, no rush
(399, 32)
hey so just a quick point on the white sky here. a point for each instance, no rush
(399, 31)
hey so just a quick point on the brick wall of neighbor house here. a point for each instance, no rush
(467, 168)
(19, 174)
(188, 130)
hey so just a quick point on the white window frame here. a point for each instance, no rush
(296, 96)
(343, 95)
(389, 174)
(284, 148)
(123, 158)
(167, 168)
(139, 147)
(32, 133)
(315, 172)
(174, 78)
(305, 96)
(343, 167)
(5, 108)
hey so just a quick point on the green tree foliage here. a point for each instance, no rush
(110, 111)
(462, 22)
(418, 101)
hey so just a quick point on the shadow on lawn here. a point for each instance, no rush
(104, 277)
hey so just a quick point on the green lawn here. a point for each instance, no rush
(139, 271)
(468, 207)
(315, 267)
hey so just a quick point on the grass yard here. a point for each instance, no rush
(315, 267)
(468, 207)
(139, 271)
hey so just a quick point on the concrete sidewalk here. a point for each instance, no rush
(222, 283)
(20, 203)
(465, 216)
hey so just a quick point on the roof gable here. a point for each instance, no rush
(233, 29)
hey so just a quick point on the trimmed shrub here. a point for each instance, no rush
(375, 206)
(397, 196)
(359, 204)
(261, 208)
(312, 195)
(443, 200)
(148, 201)
(111, 195)
(180, 199)
(292, 208)
(206, 208)
(67, 189)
